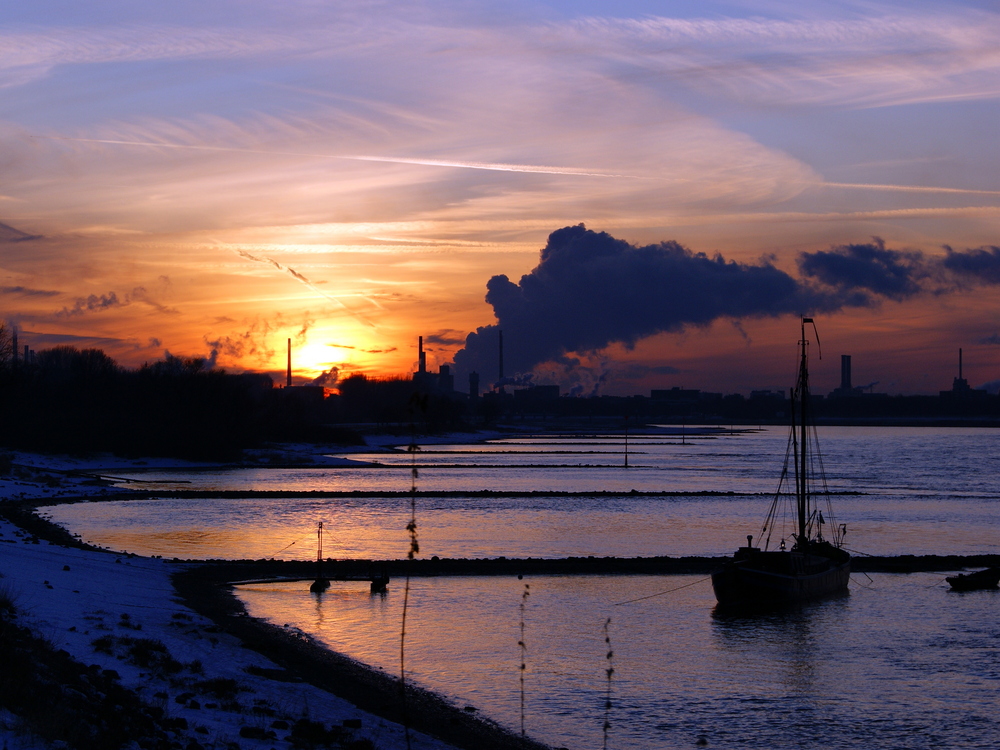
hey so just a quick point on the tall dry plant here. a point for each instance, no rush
(609, 671)
(411, 528)
(524, 650)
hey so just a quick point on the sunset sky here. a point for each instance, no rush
(211, 178)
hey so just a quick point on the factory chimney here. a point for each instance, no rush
(473, 385)
(422, 357)
(288, 378)
(960, 384)
(13, 350)
(845, 372)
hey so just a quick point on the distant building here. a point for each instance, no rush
(445, 380)
(846, 390)
(767, 395)
(960, 388)
(675, 394)
(537, 393)
(441, 382)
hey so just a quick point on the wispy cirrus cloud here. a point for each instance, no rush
(30, 53)
(890, 58)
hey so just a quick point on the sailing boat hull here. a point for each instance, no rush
(776, 578)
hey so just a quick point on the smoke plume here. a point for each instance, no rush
(590, 290)
(868, 268)
(981, 264)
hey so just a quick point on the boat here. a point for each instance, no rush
(803, 565)
(981, 579)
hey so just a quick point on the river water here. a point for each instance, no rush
(899, 663)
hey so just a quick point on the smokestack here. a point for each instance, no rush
(960, 364)
(422, 357)
(288, 378)
(473, 385)
(845, 372)
(13, 336)
(500, 379)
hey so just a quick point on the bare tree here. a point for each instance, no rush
(6, 344)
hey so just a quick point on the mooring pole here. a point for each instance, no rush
(626, 441)
(321, 584)
(319, 550)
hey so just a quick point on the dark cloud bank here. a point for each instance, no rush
(590, 290)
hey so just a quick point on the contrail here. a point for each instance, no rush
(906, 188)
(492, 167)
(495, 166)
(300, 278)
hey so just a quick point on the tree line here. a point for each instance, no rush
(81, 401)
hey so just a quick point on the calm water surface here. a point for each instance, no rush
(925, 491)
(900, 663)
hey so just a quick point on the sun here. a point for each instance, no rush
(312, 360)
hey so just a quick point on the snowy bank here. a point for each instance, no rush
(122, 614)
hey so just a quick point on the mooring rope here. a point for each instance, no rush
(857, 582)
(661, 593)
(307, 536)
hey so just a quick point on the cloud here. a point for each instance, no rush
(899, 274)
(361, 349)
(640, 372)
(992, 386)
(446, 337)
(889, 59)
(139, 294)
(93, 303)
(10, 234)
(253, 342)
(255, 338)
(27, 56)
(590, 290)
(24, 291)
(40, 341)
(981, 264)
(328, 378)
(448, 163)
(301, 278)
(96, 303)
(895, 274)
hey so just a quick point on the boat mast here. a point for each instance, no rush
(803, 388)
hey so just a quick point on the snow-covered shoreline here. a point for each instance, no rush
(97, 605)
(122, 613)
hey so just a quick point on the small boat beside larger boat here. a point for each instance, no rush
(981, 579)
(804, 565)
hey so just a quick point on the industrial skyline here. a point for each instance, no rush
(211, 179)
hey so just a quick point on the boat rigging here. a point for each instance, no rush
(814, 566)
